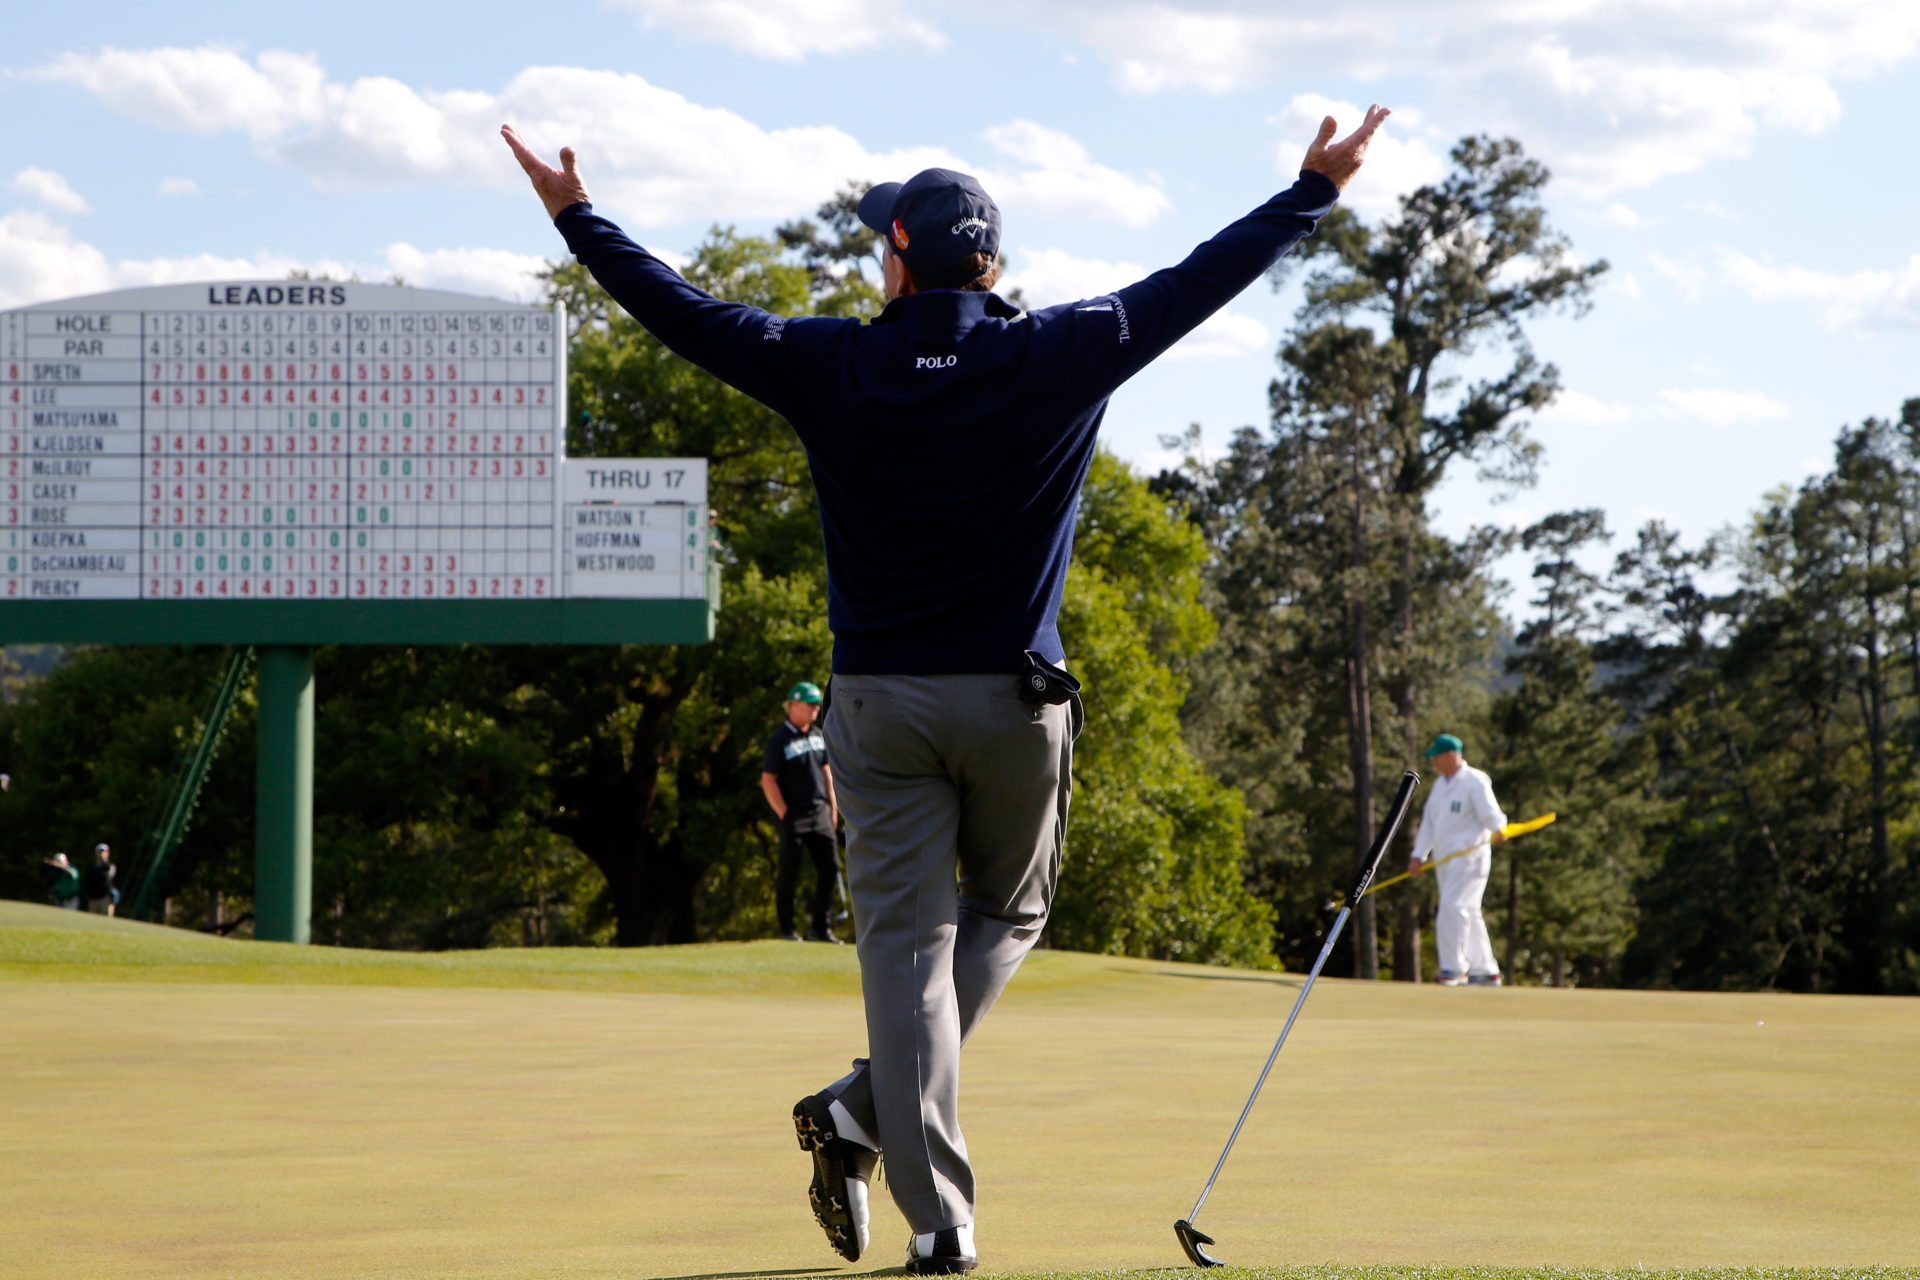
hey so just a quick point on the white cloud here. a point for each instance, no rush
(1613, 93)
(175, 187)
(1061, 178)
(494, 273)
(48, 187)
(788, 29)
(1576, 408)
(200, 89)
(1224, 334)
(1722, 408)
(1047, 277)
(41, 261)
(1398, 160)
(650, 154)
(1712, 209)
(1885, 299)
(1688, 278)
(1621, 215)
(1151, 462)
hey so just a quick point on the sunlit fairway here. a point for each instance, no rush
(177, 1105)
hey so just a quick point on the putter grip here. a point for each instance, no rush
(1384, 836)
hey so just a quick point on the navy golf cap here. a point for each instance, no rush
(936, 220)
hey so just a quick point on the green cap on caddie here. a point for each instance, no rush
(1443, 743)
(805, 691)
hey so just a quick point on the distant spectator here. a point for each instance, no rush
(102, 897)
(63, 883)
(798, 784)
(6, 781)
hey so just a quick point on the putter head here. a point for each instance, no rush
(1191, 1238)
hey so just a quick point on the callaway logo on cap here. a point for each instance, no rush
(937, 221)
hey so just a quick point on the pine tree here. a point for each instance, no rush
(1557, 747)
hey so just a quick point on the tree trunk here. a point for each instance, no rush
(1406, 925)
(607, 812)
(1907, 588)
(1366, 939)
(1880, 882)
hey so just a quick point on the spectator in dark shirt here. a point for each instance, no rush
(798, 784)
(102, 897)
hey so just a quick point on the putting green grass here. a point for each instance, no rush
(178, 1105)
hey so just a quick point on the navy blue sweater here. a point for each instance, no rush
(950, 436)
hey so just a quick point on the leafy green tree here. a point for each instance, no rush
(431, 827)
(1152, 864)
(89, 744)
(430, 831)
(1784, 728)
(1559, 747)
(838, 254)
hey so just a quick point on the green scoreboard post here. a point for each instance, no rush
(285, 464)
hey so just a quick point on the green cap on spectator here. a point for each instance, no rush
(805, 691)
(1444, 743)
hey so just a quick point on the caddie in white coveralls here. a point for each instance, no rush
(1461, 813)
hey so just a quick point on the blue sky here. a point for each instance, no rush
(1746, 166)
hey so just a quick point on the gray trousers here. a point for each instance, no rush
(955, 797)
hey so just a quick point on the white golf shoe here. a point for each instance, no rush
(942, 1253)
(841, 1170)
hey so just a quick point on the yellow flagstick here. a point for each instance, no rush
(1511, 830)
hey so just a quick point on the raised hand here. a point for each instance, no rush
(557, 188)
(1339, 161)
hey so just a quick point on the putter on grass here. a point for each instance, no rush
(1189, 1235)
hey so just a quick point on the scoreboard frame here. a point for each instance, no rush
(322, 605)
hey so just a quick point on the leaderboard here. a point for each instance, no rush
(281, 440)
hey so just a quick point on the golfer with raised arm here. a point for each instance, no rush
(948, 438)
